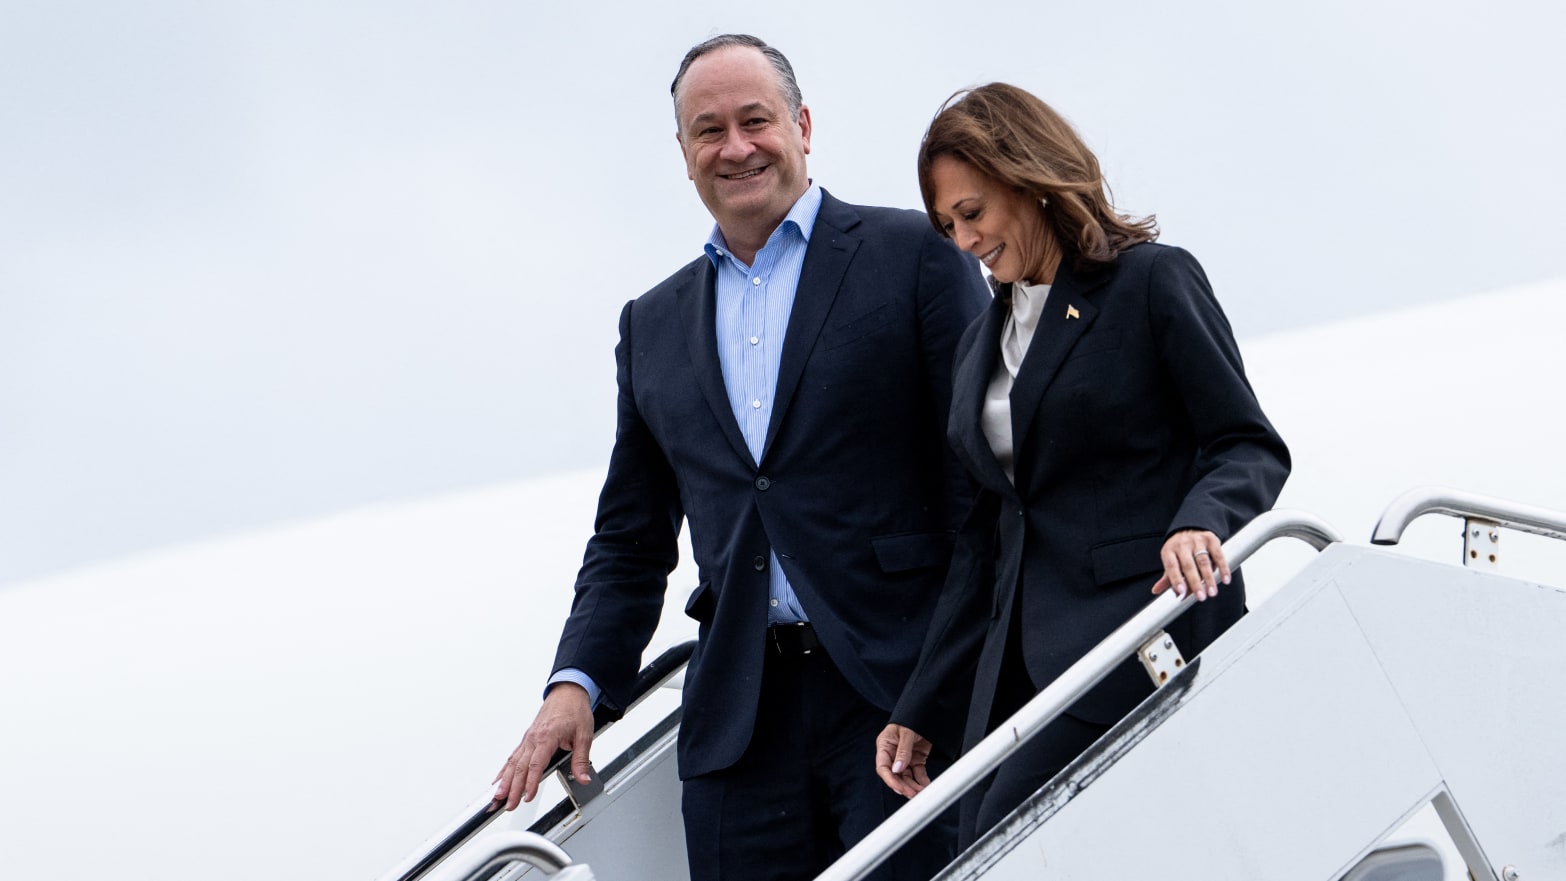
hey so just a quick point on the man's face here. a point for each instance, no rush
(742, 148)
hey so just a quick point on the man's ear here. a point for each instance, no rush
(680, 139)
(804, 126)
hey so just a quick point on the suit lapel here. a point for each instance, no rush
(1067, 316)
(698, 298)
(830, 251)
(970, 383)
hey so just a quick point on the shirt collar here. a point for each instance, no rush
(802, 217)
(1027, 301)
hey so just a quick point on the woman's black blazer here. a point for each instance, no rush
(1131, 419)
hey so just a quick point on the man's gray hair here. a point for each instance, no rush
(786, 82)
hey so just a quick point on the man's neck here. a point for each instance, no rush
(744, 243)
(744, 240)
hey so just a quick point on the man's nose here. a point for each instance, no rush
(736, 146)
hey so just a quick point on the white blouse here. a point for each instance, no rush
(1027, 304)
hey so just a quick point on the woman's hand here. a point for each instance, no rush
(900, 758)
(1193, 559)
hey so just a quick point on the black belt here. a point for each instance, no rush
(793, 639)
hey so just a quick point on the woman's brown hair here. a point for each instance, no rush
(1016, 139)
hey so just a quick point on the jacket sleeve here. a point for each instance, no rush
(625, 570)
(935, 701)
(951, 295)
(1241, 462)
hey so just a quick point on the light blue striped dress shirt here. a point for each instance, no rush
(754, 303)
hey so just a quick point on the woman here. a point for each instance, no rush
(1102, 409)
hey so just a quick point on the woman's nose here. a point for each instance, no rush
(965, 237)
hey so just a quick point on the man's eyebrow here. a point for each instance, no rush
(752, 107)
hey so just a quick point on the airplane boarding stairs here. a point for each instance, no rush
(1370, 690)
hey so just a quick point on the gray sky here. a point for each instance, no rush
(264, 261)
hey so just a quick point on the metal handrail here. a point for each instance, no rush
(995, 748)
(481, 811)
(1459, 503)
(503, 848)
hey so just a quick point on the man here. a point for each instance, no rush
(786, 392)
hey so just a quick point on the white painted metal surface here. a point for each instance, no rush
(634, 830)
(1368, 687)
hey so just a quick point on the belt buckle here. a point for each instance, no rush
(795, 636)
(807, 637)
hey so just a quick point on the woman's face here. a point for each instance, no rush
(1002, 227)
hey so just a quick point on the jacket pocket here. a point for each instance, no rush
(1123, 558)
(1103, 341)
(702, 603)
(913, 550)
(857, 327)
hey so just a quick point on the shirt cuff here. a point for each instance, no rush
(572, 674)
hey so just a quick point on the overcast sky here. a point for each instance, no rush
(260, 261)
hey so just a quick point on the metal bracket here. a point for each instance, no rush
(1161, 658)
(580, 793)
(1481, 543)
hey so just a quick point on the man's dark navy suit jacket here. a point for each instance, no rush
(856, 490)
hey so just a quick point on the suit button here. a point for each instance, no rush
(760, 563)
(763, 484)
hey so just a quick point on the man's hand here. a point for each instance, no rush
(900, 759)
(565, 721)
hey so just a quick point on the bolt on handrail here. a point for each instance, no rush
(502, 848)
(1006, 739)
(1423, 500)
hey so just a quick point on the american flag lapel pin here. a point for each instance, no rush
(1071, 311)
